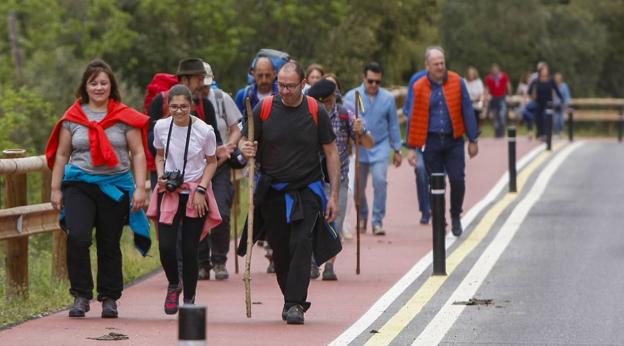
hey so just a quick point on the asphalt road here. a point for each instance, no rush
(561, 279)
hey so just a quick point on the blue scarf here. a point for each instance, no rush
(115, 186)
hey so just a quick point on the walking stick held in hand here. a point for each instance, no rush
(357, 187)
(250, 213)
(234, 216)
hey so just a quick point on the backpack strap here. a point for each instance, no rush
(343, 115)
(220, 104)
(313, 108)
(165, 103)
(267, 105)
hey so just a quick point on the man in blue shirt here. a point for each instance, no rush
(422, 179)
(441, 114)
(379, 111)
(264, 84)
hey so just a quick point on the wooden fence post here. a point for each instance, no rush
(17, 248)
(59, 238)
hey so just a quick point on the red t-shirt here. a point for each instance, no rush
(497, 86)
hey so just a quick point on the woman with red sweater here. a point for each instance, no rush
(92, 186)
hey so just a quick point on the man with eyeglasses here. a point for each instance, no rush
(289, 199)
(441, 115)
(378, 109)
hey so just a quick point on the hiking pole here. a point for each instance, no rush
(357, 187)
(250, 210)
(234, 215)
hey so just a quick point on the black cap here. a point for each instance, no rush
(322, 89)
(190, 66)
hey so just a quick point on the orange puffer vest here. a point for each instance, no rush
(419, 124)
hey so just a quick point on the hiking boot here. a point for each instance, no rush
(189, 301)
(271, 267)
(204, 273)
(346, 234)
(109, 308)
(314, 271)
(377, 230)
(424, 218)
(172, 300)
(221, 272)
(80, 307)
(328, 272)
(456, 226)
(294, 315)
(284, 313)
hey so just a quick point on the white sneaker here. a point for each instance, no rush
(347, 235)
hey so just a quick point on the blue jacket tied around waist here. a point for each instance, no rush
(115, 186)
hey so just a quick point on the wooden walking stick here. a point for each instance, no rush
(234, 215)
(357, 187)
(250, 213)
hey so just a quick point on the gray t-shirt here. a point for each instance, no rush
(81, 148)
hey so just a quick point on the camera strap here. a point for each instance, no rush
(188, 138)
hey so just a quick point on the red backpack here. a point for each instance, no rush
(267, 105)
(160, 83)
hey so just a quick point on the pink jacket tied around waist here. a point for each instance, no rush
(171, 200)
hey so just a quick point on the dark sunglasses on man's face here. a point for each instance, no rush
(374, 81)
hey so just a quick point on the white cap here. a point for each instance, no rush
(209, 75)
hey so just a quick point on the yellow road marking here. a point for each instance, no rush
(408, 312)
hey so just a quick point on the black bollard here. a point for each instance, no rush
(571, 124)
(438, 222)
(511, 138)
(549, 128)
(192, 325)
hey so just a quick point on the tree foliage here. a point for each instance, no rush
(578, 38)
(48, 42)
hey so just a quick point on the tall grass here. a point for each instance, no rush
(48, 293)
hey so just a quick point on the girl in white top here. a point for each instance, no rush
(475, 90)
(201, 164)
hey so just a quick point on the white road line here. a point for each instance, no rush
(382, 304)
(448, 314)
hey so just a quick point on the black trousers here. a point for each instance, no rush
(190, 229)
(218, 241)
(86, 207)
(291, 244)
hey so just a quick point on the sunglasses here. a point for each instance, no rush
(374, 81)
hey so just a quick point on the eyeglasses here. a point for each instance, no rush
(289, 87)
(175, 108)
(374, 81)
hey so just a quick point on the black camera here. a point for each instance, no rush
(174, 180)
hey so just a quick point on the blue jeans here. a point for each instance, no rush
(498, 107)
(422, 184)
(558, 121)
(445, 154)
(342, 202)
(379, 170)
